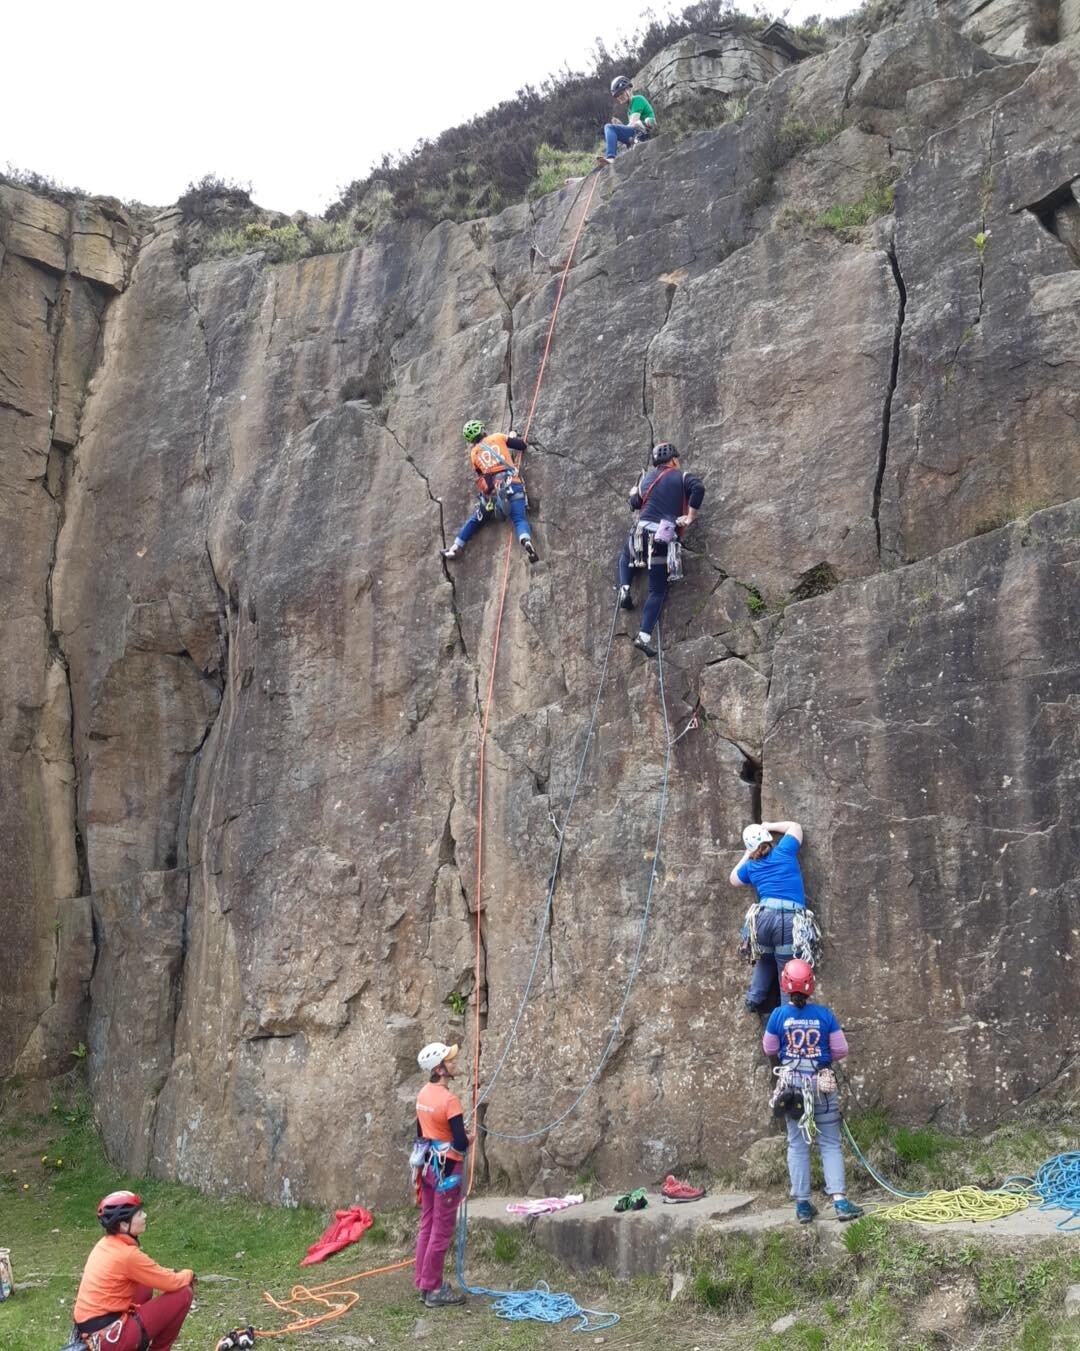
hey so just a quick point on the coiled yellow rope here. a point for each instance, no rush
(965, 1203)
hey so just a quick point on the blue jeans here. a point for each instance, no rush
(615, 132)
(515, 500)
(827, 1116)
(658, 581)
(774, 940)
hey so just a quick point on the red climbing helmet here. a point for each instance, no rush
(117, 1207)
(797, 977)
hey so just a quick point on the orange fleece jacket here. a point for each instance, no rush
(116, 1267)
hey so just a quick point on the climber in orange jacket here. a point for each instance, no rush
(500, 487)
(115, 1296)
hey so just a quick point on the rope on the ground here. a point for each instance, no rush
(964, 1203)
(539, 1305)
(342, 1301)
(1058, 1183)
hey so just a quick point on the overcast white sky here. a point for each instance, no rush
(136, 100)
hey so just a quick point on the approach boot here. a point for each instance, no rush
(530, 551)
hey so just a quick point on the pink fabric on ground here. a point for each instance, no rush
(545, 1206)
(348, 1227)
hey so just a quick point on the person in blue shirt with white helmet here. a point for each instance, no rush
(771, 867)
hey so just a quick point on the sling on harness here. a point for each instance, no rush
(795, 1093)
(805, 936)
(499, 488)
(433, 1154)
(646, 534)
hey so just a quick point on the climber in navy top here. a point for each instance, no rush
(772, 868)
(668, 500)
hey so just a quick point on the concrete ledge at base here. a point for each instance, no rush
(634, 1243)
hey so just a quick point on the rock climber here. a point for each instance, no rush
(667, 500)
(808, 1039)
(115, 1307)
(771, 867)
(437, 1158)
(640, 120)
(500, 487)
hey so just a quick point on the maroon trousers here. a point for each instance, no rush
(438, 1214)
(161, 1317)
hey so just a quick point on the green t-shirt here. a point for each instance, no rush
(640, 105)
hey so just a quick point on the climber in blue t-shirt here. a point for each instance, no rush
(807, 1038)
(772, 869)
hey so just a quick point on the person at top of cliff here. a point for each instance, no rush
(667, 499)
(437, 1159)
(771, 867)
(116, 1293)
(808, 1039)
(640, 120)
(499, 485)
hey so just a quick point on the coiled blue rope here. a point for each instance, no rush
(1058, 1183)
(541, 1304)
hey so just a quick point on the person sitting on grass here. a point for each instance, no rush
(115, 1306)
(640, 120)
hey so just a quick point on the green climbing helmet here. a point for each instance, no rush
(473, 430)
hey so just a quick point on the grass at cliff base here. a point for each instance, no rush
(870, 1286)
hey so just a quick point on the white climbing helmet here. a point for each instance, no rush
(433, 1055)
(755, 836)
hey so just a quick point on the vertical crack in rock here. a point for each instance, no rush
(646, 401)
(447, 573)
(508, 363)
(886, 412)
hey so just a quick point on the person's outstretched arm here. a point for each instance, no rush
(791, 828)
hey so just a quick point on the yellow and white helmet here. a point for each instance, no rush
(433, 1055)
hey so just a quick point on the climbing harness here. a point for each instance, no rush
(795, 1094)
(806, 940)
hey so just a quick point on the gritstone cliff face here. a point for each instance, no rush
(239, 689)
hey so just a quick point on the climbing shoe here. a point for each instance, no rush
(641, 642)
(454, 551)
(605, 159)
(626, 600)
(530, 551)
(443, 1298)
(675, 1192)
(846, 1210)
(804, 1211)
(635, 1200)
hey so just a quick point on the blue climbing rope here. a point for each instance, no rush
(605, 1055)
(541, 1304)
(1058, 1183)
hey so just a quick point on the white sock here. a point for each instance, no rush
(643, 637)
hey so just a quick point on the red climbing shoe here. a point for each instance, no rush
(675, 1192)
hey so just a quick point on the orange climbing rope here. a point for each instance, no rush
(317, 1294)
(491, 674)
(334, 1298)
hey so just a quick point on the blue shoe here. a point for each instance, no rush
(804, 1211)
(846, 1210)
